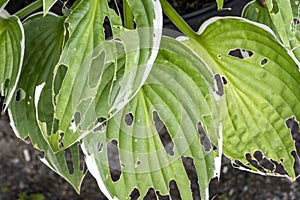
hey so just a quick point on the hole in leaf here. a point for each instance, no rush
(77, 118)
(263, 62)
(296, 162)
(135, 194)
(275, 8)
(293, 125)
(82, 165)
(224, 80)
(102, 127)
(220, 89)
(240, 53)
(114, 160)
(162, 197)
(61, 144)
(174, 191)
(279, 168)
(150, 194)
(254, 163)
(129, 119)
(163, 133)
(191, 172)
(69, 160)
(263, 161)
(100, 147)
(296, 21)
(20, 95)
(59, 77)
(107, 28)
(238, 164)
(219, 56)
(204, 140)
(138, 162)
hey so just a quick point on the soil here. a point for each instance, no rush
(25, 178)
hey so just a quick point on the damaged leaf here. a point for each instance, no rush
(259, 99)
(181, 92)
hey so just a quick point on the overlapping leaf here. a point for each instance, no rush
(12, 52)
(220, 3)
(262, 91)
(285, 17)
(32, 102)
(86, 43)
(2, 4)
(180, 91)
(47, 4)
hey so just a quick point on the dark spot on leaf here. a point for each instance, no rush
(163, 133)
(77, 118)
(263, 62)
(174, 191)
(114, 160)
(150, 194)
(138, 162)
(135, 194)
(220, 88)
(254, 163)
(191, 172)
(61, 144)
(204, 140)
(20, 95)
(69, 160)
(240, 53)
(129, 119)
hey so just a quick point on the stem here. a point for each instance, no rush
(177, 19)
(128, 17)
(29, 9)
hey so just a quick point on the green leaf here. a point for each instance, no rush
(254, 11)
(220, 4)
(262, 89)
(47, 5)
(3, 4)
(12, 52)
(32, 101)
(85, 45)
(180, 91)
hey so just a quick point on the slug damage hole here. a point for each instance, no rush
(240, 53)
(107, 28)
(263, 62)
(20, 95)
(293, 125)
(82, 165)
(100, 124)
(219, 85)
(135, 194)
(163, 133)
(174, 191)
(69, 160)
(114, 160)
(150, 194)
(129, 119)
(191, 172)
(204, 140)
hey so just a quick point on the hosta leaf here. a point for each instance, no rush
(257, 12)
(220, 4)
(180, 91)
(47, 4)
(285, 16)
(83, 81)
(32, 101)
(12, 52)
(262, 91)
(3, 4)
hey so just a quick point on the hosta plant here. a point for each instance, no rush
(148, 110)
